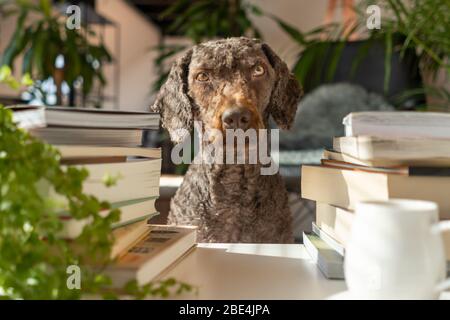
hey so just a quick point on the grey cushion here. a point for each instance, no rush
(320, 113)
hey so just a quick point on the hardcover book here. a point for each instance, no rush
(328, 261)
(39, 116)
(344, 188)
(406, 149)
(130, 211)
(161, 247)
(406, 124)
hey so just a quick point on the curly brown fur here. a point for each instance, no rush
(230, 202)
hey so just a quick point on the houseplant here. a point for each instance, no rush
(407, 32)
(42, 37)
(33, 259)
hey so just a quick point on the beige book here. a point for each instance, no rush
(30, 116)
(89, 136)
(387, 163)
(368, 148)
(352, 166)
(162, 246)
(127, 236)
(337, 223)
(130, 211)
(398, 124)
(128, 168)
(77, 152)
(134, 179)
(404, 170)
(344, 188)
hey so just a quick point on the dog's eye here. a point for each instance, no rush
(258, 70)
(202, 76)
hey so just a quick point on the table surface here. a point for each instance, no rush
(253, 271)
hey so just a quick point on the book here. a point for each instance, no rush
(329, 240)
(39, 116)
(404, 170)
(386, 163)
(134, 179)
(129, 167)
(352, 166)
(89, 136)
(131, 211)
(125, 237)
(329, 262)
(162, 246)
(367, 148)
(344, 188)
(128, 236)
(406, 124)
(81, 152)
(335, 222)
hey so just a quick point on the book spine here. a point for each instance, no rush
(310, 248)
(332, 243)
(330, 269)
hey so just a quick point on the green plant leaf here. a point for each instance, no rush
(335, 58)
(176, 7)
(46, 7)
(39, 41)
(387, 61)
(27, 65)
(305, 63)
(360, 55)
(7, 77)
(17, 42)
(396, 9)
(26, 80)
(295, 34)
(255, 10)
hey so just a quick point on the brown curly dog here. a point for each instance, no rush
(235, 83)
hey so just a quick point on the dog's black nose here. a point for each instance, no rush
(236, 118)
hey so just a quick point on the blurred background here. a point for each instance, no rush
(348, 55)
(123, 48)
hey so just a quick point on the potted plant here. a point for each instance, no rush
(408, 47)
(33, 259)
(50, 50)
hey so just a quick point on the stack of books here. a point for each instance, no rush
(108, 144)
(384, 155)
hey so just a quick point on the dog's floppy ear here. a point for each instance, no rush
(286, 92)
(173, 102)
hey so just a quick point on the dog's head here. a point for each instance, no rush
(235, 83)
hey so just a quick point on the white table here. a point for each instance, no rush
(253, 271)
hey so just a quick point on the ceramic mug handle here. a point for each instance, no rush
(438, 228)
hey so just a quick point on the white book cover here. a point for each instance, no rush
(328, 261)
(29, 116)
(398, 124)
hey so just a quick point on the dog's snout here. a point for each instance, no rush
(236, 118)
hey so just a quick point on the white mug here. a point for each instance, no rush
(396, 251)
